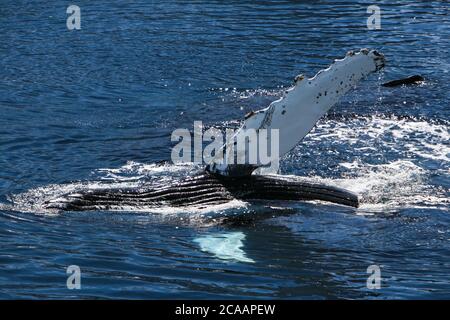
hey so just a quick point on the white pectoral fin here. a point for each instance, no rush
(296, 113)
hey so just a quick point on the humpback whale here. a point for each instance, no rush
(293, 115)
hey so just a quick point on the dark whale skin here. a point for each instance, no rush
(410, 80)
(206, 189)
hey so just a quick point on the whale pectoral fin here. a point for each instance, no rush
(297, 111)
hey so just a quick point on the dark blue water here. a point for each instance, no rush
(100, 103)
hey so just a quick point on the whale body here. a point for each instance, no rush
(293, 115)
(204, 190)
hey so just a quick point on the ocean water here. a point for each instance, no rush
(84, 107)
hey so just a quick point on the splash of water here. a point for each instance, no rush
(402, 182)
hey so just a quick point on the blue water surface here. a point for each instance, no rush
(101, 103)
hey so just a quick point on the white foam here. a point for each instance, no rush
(401, 182)
(398, 184)
(416, 137)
